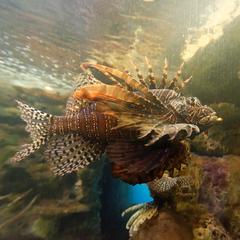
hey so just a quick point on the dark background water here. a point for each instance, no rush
(42, 44)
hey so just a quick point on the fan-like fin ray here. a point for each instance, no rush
(128, 80)
(134, 162)
(73, 106)
(171, 130)
(69, 153)
(165, 74)
(150, 75)
(116, 94)
(139, 75)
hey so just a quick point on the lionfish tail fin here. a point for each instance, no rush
(38, 124)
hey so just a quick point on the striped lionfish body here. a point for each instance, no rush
(90, 124)
(139, 123)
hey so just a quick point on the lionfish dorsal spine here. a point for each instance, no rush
(129, 81)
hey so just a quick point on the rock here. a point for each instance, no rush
(219, 190)
(167, 225)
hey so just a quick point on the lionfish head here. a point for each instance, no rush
(202, 115)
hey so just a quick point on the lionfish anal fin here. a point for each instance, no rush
(69, 153)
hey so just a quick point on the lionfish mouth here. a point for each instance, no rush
(211, 119)
(216, 119)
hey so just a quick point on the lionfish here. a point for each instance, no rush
(140, 124)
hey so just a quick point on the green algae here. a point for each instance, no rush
(45, 228)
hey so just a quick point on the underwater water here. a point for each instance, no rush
(43, 43)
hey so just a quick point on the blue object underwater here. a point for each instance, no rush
(138, 193)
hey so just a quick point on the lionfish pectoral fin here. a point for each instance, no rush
(163, 184)
(184, 182)
(172, 131)
(38, 124)
(188, 129)
(135, 163)
(143, 212)
(132, 209)
(167, 184)
(70, 152)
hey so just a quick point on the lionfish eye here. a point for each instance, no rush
(194, 101)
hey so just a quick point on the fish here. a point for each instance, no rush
(139, 122)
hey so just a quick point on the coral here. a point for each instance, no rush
(234, 227)
(219, 191)
(214, 184)
(209, 228)
(206, 145)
